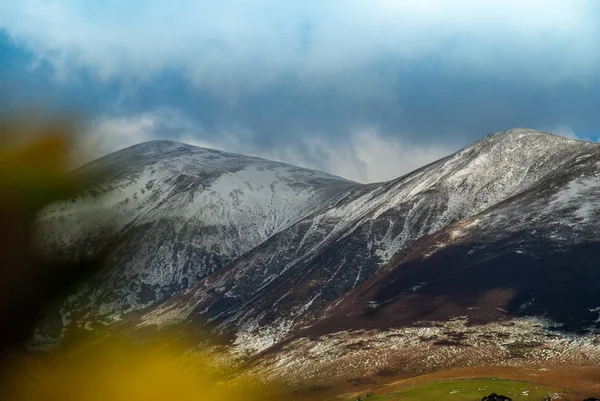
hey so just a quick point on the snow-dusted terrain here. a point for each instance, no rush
(301, 273)
(267, 252)
(168, 214)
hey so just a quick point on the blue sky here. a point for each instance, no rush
(368, 90)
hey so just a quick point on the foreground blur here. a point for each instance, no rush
(33, 167)
(34, 162)
(118, 369)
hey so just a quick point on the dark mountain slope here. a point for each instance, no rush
(536, 254)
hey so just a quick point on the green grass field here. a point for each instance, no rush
(468, 390)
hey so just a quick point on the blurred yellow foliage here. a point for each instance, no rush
(122, 370)
(34, 162)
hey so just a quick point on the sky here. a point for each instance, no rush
(364, 89)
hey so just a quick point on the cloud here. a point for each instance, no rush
(325, 84)
(370, 157)
(239, 46)
(364, 156)
(106, 134)
(565, 131)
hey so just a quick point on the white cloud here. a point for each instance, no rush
(234, 46)
(370, 157)
(364, 156)
(567, 131)
(107, 134)
(564, 130)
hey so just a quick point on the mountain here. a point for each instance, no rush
(484, 257)
(310, 277)
(515, 285)
(166, 215)
(535, 254)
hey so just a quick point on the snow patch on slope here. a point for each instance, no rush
(581, 195)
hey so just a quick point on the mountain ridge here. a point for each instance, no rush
(170, 145)
(485, 192)
(305, 270)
